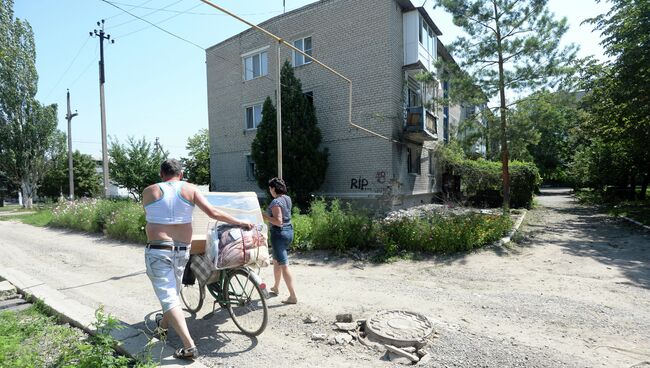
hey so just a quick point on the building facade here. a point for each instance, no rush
(383, 46)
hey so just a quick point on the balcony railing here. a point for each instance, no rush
(420, 125)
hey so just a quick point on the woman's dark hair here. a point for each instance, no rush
(171, 167)
(279, 185)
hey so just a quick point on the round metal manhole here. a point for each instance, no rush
(398, 328)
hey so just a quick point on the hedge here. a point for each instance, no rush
(481, 180)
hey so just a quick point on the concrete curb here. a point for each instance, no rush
(506, 239)
(635, 222)
(132, 342)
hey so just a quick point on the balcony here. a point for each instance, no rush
(420, 125)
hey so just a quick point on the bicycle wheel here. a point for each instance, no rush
(192, 296)
(246, 304)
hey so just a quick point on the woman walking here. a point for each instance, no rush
(278, 214)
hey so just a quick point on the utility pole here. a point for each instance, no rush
(102, 36)
(156, 145)
(278, 102)
(69, 117)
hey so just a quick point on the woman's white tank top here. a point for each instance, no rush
(171, 207)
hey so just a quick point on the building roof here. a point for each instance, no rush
(404, 4)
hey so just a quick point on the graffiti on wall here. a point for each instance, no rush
(362, 183)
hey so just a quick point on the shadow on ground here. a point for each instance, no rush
(584, 232)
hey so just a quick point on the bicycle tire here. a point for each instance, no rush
(246, 303)
(193, 296)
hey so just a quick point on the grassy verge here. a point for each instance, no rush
(31, 338)
(638, 210)
(38, 218)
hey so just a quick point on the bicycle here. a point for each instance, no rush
(238, 290)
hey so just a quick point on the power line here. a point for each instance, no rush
(152, 24)
(132, 7)
(68, 68)
(146, 15)
(86, 68)
(162, 21)
(191, 13)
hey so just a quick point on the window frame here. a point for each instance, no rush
(252, 107)
(295, 55)
(262, 64)
(250, 167)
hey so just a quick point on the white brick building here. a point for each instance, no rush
(380, 45)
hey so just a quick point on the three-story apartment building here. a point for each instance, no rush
(382, 46)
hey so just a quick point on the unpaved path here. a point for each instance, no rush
(575, 292)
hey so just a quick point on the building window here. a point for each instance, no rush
(304, 45)
(310, 97)
(253, 116)
(256, 65)
(431, 163)
(426, 37)
(413, 160)
(250, 168)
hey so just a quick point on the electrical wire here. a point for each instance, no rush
(162, 21)
(145, 15)
(191, 13)
(152, 24)
(132, 7)
(68, 68)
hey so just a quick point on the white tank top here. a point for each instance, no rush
(171, 207)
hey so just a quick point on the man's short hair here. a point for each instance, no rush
(171, 167)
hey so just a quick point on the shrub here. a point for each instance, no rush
(302, 228)
(442, 234)
(126, 222)
(338, 228)
(119, 219)
(481, 180)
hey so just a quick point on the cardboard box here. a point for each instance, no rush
(198, 244)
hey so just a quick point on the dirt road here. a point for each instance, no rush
(575, 292)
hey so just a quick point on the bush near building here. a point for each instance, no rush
(481, 181)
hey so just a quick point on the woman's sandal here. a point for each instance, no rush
(160, 333)
(187, 353)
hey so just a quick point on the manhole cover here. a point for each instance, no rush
(398, 328)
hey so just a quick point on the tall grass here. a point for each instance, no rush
(335, 227)
(118, 219)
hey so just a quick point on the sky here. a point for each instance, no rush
(155, 82)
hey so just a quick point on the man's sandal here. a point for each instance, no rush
(187, 353)
(160, 333)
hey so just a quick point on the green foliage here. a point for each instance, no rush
(510, 46)
(87, 182)
(197, 165)
(118, 219)
(442, 234)
(39, 218)
(136, 165)
(339, 228)
(31, 338)
(302, 229)
(127, 222)
(26, 127)
(612, 140)
(304, 164)
(481, 180)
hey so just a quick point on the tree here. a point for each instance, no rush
(136, 165)
(541, 132)
(618, 96)
(197, 166)
(26, 126)
(87, 182)
(512, 46)
(304, 163)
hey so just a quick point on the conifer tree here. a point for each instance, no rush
(304, 163)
